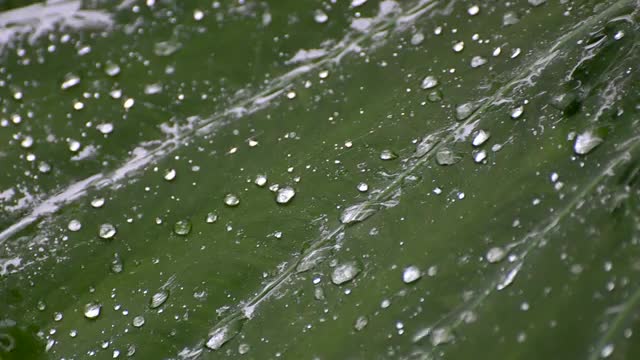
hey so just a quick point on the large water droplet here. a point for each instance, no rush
(345, 272)
(480, 138)
(285, 195)
(159, 298)
(182, 227)
(92, 310)
(231, 200)
(107, 231)
(362, 187)
(586, 142)
(410, 274)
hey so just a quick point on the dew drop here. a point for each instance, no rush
(411, 274)
(361, 323)
(517, 112)
(586, 142)
(606, 351)
(480, 138)
(70, 80)
(388, 155)
(112, 69)
(479, 156)
(537, 2)
(320, 17)
(429, 82)
(362, 187)
(211, 218)
(458, 47)
(243, 348)
(495, 254)
(477, 61)
(417, 39)
(74, 225)
(107, 231)
(97, 202)
(441, 336)
(345, 272)
(447, 157)
(92, 310)
(464, 111)
(261, 180)
(57, 316)
(166, 48)
(138, 321)
(182, 227)
(510, 18)
(285, 195)
(158, 299)
(473, 10)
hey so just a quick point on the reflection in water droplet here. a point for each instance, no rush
(74, 225)
(159, 298)
(517, 112)
(586, 142)
(410, 274)
(362, 187)
(231, 200)
(479, 156)
(429, 82)
(97, 202)
(345, 272)
(211, 218)
(261, 180)
(388, 155)
(459, 46)
(170, 174)
(320, 17)
(107, 231)
(92, 310)
(138, 321)
(182, 227)
(285, 195)
(361, 323)
(464, 111)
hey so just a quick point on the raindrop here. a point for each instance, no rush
(388, 155)
(116, 264)
(361, 323)
(478, 61)
(107, 231)
(320, 17)
(459, 46)
(105, 128)
(495, 254)
(473, 10)
(586, 142)
(92, 310)
(480, 138)
(606, 351)
(198, 15)
(231, 200)
(138, 321)
(70, 80)
(222, 334)
(211, 218)
(261, 180)
(537, 2)
(57, 316)
(362, 187)
(41, 305)
(479, 156)
(434, 96)
(159, 298)
(152, 89)
(517, 112)
(97, 202)
(291, 95)
(285, 195)
(323, 74)
(429, 82)
(74, 225)
(74, 145)
(447, 157)
(128, 103)
(345, 272)
(43, 167)
(417, 38)
(356, 3)
(182, 227)
(112, 69)
(464, 111)
(411, 274)
(170, 175)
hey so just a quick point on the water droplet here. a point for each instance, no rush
(166, 48)
(388, 155)
(495, 254)
(291, 95)
(473, 10)
(211, 218)
(112, 69)
(362, 187)
(477, 61)
(285, 195)
(74, 145)
(97, 202)
(509, 278)
(41, 305)
(70, 80)
(231, 200)
(43, 167)
(480, 138)
(198, 15)
(537, 2)
(586, 142)
(517, 112)
(261, 180)
(128, 103)
(74, 225)
(116, 264)
(447, 157)
(138, 321)
(182, 227)
(243, 348)
(92, 310)
(459, 46)
(479, 156)
(510, 18)
(222, 334)
(435, 96)
(345, 272)
(320, 17)
(410, 274)
(464, 111)
(361, 323)
(152, 89)
(606, 351)
(57, 316)
(105, 128)
(441, 336)
(417, 38)
(323, 74)
(107, 231)
(73, 333)
(159, 298)
(429, 82)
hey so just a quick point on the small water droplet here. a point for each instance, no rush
(447, 157)
(473, 10)
(57, 316)
(231, 200)
(410, 274)
(477, 61)
(222, 334)
(74, 225)
(459, 46)
(243, 348)
(105, 128)
(211, 218)
(464, 111)
(510, 18)
(116, 264)
(362, 187)
(166, 48)
(537, 2)
(92, 310)
(97, 202)
(480, 138)
(112, 69)
(361, 323)
(345, 272)
(479, 156)
(198, 15)
(261, 180)
(441, 336)
(285, 195)
(182, 227)
(517, 112)
(70, 80)
(159, 298)
(388, 155)
(495, 254)
(320, 17)
(107, 231)
(291, 95)
(417, 39)
(606, 351)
